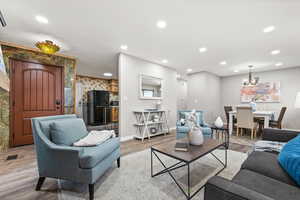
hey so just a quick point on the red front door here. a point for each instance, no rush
(37, 90)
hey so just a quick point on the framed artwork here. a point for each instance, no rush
(267, 92)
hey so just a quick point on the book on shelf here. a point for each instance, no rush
(181, 146)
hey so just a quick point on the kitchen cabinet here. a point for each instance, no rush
(114, 85)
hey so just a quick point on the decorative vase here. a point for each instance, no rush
(253, 106)
(219, 123)
(195, 136)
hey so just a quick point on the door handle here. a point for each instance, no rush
(57, 102)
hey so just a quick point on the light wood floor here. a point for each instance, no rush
(18, 177)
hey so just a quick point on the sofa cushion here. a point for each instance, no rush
(45, 126)
(91, 156)
(266, 185)
(67, 131)
(267, 164)
(289, 158)
(184, 129)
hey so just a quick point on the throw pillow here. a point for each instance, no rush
(45, 126)
(67, 131)
(289, 158)
(95, 138)
(182, 115)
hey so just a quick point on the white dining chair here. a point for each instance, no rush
(245, 120)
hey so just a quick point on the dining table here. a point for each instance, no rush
(266, 115)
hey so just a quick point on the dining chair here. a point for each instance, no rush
(228, 109)
(278, 123)
(245, 120)
(275, 123)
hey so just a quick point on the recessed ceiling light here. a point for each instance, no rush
(164, 61)
(189, 70)
(269, 29)
(41, 19)
(161, 24)
(107, 74)
(223, 63)
(124, 47)
(279, 64)
(202, 49)
(236, 71)
(275, 52)
(178, 75)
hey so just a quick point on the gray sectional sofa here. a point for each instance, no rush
(260, 177)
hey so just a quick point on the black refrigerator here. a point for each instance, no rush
(98, 107)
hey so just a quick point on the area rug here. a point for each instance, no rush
(133, 180)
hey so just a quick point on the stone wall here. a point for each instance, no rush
(34, 56)
(91, 83)
(4, 119)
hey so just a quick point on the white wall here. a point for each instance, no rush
(130, 69)
(290, 85)
(204, 93)
(181, 94)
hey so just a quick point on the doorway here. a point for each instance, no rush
(36, 90)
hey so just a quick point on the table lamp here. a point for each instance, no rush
(297, 101)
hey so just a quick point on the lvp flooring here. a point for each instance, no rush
(19, 177)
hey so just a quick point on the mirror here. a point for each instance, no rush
(150, 87)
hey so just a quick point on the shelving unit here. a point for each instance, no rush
(144, 121)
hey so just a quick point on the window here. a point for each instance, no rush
(148, 93)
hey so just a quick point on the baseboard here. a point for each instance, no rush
(131, 137)
(172, 128)
(126, 138)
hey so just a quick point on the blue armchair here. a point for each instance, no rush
(78, 164)
(182, 130)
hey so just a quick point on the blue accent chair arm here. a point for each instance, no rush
(54, 147)
(66, 159)
(205, 124)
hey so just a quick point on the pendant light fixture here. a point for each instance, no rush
(47, 47)
(251, 80)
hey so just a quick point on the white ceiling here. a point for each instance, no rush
(93, 31)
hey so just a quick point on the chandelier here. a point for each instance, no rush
(251, 81)
(47, 47)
